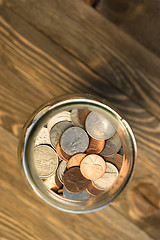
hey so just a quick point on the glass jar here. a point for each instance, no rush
(65, 103)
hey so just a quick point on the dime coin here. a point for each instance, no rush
(76, 196)
(112, 146)
(61, 154)
(75, 119)
(74, 181)
(42, 137)
(60, 117)
(74, 140)
(76, 159)
(61, 170)
(115, 159)
(50, 183)
(45, 160)
(99, 127)
(57, 130)
(106, 181)
(95, 146)
(93, 167)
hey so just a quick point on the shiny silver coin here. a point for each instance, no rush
(99, 127)
(45, 160)
(60, 117)
(57, 130)
(75, 119)
(106, 181)
(74, 140)
(61, 170)
(42, 137)
(76, 196)
(112, 146)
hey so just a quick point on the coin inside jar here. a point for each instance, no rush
(45, 160)
(74, 181)
(76, 196)
(76, 159)
(95, 146)
(116, 159)
(59, 117)
(93, 167)
(99, 127)
(112, 146)
(42, 137)
(74, 140)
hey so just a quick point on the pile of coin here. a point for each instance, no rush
(78, 154)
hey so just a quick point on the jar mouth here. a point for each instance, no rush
(66, 103)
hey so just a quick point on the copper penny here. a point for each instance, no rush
(61, 154)
(93, 190)
(82, 115)
(74, 181)
(95, 146)
(76, 160)
(116, 159)
(93, 167)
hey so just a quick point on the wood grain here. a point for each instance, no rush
(97, 43)
(34, 69)
(25, 216)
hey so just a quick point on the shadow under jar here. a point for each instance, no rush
(45, 118)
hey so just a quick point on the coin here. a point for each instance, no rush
(74, 118)
(60, 117)
(106, 181)
(82, 115)
(93, 191)
(76, 159)
(115, 159)
(95, 146)
(93, 167)
(76, 196)
(50, 183)
(112, 146)
(121, 151)
(74, 181)
(61, 170)
(74, 140)
(42, 137)
(45, 160)
(57, 130)
(61, 154)
(99, 127)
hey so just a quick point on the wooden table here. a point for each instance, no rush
(49, 48)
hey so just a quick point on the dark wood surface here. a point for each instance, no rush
(48, 48)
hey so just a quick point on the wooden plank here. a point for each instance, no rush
(140, 19)
(83, 32)
(38, 68)
(25, 216)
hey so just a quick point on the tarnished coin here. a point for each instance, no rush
(57, 130)
(62, 155)
(74, 140)
(95, 146)
(74, 118)
(93, 190)
(61, 170)
(99, 127)
(106, 181)
(93, 167)
(76, 196)
(45, 160)
(50, 183)
(74, 181)
(76, 159)
(60, 117)
(42, 137)
(116, 159)
(112, 146)
(82, 115)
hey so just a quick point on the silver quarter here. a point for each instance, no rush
(99, 127)
(61, 170)
(74, 140)
(106, 181)
(45, 160)
(42, 137)
(57, 130)
(75, 119)
(112, 146)
(60, 117)
(76, 196)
